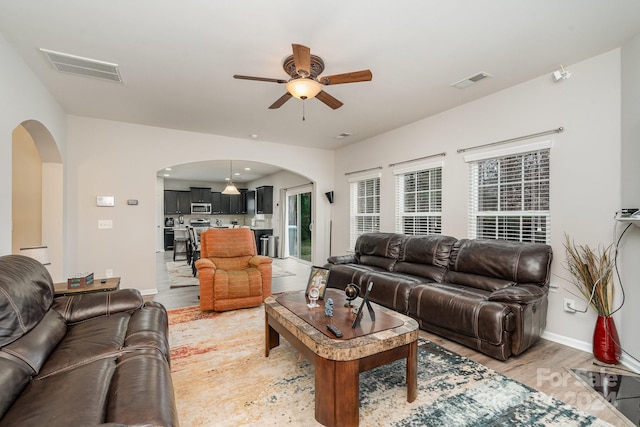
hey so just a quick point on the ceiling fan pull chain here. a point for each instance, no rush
(303, 118)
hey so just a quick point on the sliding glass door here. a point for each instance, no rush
(299, 223)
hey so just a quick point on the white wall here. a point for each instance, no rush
(585, 163)
(23, 98)
(121, 160)
(630, 184)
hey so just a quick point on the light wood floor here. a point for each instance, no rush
(544, 367)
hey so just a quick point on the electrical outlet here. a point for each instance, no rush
(105, 223)
(569, 305)
(108, 273)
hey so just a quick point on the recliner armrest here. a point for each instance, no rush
(520, 294)
(205, 263)
(342, 259)
(259, 259)
(77, 308)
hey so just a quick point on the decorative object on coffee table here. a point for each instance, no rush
(318, 278)
(592, 273)
(314, 293)
(351, 291)
(328, 307)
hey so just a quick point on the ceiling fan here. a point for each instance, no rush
(304, 83)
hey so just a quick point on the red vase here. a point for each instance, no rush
(606, 345)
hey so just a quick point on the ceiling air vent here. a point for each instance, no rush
(471, 80)
(83, 66)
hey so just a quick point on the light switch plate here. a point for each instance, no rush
(105, 201)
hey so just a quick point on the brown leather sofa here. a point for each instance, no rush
(84, 360)
(489, 295)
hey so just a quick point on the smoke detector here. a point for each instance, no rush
(466, 82)
(85, 67)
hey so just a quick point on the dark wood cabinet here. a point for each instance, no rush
(177, 202)
(200, 195)
(248, 202)
(264, 199)
(216, 202)
(224, 204)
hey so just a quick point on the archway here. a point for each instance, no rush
(37, 192)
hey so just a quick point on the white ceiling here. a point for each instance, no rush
(177, 58)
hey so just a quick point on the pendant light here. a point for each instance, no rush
(230, 188)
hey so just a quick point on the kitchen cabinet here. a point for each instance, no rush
(216, 202)
(200, 195)
(264, 199)
(248, 202)
(225, 201)
(177, 202)
(168, 239)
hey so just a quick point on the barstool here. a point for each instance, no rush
(180, 242)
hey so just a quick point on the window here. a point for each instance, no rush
(510, 195)
(419, 200)
(365, 207)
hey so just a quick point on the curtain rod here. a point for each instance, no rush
(419, 158)
(520, 138)
(297, 186)
(363, 170)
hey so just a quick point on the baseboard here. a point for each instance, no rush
(570, 342)
(148, 292)
(625, 360)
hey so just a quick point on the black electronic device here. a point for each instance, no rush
(365, 301)
(628, 212)
(335, 331)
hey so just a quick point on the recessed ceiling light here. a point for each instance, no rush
(247, 169)
(236, 173)
(166, 174)
(254, 136)
(167, 169)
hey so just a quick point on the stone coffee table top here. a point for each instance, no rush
(396, 329)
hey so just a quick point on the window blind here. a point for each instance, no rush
(365, 207)
(419, 200)
(509, 196)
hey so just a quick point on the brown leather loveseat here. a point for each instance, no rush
(84, 360)
(489, 295)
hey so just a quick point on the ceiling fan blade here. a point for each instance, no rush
(302, 59)
(284, 98)
(355, 76)
(260, 79)
(329, 100)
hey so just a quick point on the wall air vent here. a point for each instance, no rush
(466, 82)
(86, 67)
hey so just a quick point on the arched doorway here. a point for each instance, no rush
(37, 192)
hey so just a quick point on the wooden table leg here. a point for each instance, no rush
(337, 393)
(412, 372)
(271, 336)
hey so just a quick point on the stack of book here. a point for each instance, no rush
(80, 280)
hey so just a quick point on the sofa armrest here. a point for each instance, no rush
(519, 294)
(259, 259)
(342, 259)
(77, 308)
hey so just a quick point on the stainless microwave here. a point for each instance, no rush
(201, 208)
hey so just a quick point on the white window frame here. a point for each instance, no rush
(432, 211)
(372, 201)
(511, 224)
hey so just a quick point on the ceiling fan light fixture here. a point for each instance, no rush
(304, 88)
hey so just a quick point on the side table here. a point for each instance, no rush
(111, 284)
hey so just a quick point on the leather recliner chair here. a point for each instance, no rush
(232, 275)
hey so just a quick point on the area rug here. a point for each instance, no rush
(181, 275)
(221, 378)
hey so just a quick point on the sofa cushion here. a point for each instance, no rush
(389, 289)
(428, 250)
(478, 262)
(26, 293)
(343, 274)
(384, 245)
(461, 309)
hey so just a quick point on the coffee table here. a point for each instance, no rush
(339, 361)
